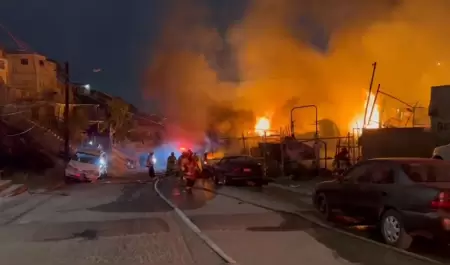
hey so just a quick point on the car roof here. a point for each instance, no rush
(241, 156)
(90, 151)
(410, 160)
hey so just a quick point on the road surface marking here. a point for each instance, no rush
(195, 228)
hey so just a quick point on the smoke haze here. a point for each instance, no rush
(279, 67)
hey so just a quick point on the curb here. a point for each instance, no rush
(292, 189)
(13, 190)
(19, 190)
(195, 228)
(5, 184)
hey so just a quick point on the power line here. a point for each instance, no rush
(13, 113)
(20, 44)
(137, 116)
(24, 132)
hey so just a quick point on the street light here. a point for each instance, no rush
(87, 86)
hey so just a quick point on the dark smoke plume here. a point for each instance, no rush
(277, 62)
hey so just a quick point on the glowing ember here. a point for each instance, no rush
(358, 121)
(262, 125)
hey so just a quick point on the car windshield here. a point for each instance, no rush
(428, 172)
(85, 158)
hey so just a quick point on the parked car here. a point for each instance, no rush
(237, 169)
(403, 197)
(86, 165)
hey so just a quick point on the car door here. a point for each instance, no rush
(379, 191)
(221, 166)
(371, 190)
(350, 191)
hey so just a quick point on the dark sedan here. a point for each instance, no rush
(404, 197)
(237, 169)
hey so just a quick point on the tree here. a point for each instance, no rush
(78, 123)
(46, 112)
(119, 120)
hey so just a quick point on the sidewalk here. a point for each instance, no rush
(305, 188)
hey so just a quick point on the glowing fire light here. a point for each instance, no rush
(358, 121)
(262, 125)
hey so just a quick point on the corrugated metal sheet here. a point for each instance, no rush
(439, 102)
(439, 112)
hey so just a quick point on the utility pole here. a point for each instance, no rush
(66, 110)
(373, 106)
(374, 66)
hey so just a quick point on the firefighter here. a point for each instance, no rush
(342, 159)
(205, 158)
(171, 164)
(151, 165)
(180, 162)
(198, 161)
(190, 171)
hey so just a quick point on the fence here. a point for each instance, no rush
(280, 152)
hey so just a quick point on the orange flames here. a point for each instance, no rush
(262, 125)
(373, 123)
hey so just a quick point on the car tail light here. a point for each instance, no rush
(236, 170)
(442, 201)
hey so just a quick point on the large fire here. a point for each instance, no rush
(358, 121)
(262, 126)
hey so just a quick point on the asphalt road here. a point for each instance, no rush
(270, 234)
(97, 224)
(128, 223)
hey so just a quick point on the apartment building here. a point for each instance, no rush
(31, 73)
(3, 78)
(3, 68)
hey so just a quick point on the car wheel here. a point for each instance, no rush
(321, 203)
(393, 231)
(225, 180)
(215, 179)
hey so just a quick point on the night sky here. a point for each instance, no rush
(113, 35)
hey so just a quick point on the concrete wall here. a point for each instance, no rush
(397, 142)
(3, 69)
(31, 72)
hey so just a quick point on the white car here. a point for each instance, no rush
(87, 165)
(442, 152)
